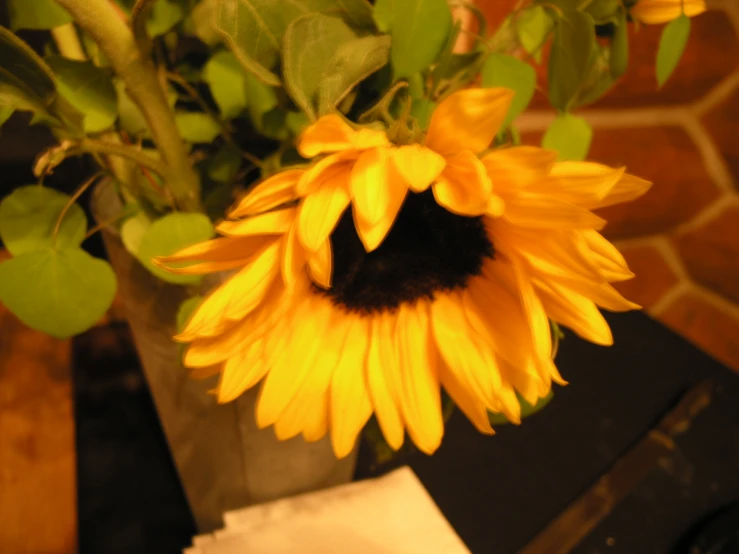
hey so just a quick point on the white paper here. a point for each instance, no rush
(393, 514)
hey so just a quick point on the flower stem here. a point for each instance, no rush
(68, 43)
(93, 146)
(103, 23)
(68, 205)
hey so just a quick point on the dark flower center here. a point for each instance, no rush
(428, 249)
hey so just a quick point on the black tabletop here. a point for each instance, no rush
(497, 492)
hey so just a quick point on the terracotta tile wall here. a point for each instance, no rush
(682, 237)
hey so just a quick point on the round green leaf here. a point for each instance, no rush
(133, 231)
(89, 89)
(526, 409)
(165, 14)
(226, 79)
(509, 72)
(533, 26)
(570, 136)
(197, 127)
(169, 234)
(619, 59)
(59, 292)
(569, 60)
(28, 216)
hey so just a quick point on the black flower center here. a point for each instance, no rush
(428, 249)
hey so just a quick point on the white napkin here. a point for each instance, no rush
(392, 514)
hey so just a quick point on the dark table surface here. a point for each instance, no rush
(497, 492)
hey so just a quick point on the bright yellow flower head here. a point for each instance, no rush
(663, 11)
(404, 269)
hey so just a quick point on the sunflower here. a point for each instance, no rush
(663, 11)
(397, 270)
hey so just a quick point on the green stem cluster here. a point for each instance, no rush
(116, 39)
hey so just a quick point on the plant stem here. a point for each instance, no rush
(104, 24)
(68, 43)
(138, 23)
(68, 205)
(93, 146)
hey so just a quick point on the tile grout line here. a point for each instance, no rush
(718, 301)
(668, 298)
(713, 160)
(708, 214)
(539, 120)
(716, 95)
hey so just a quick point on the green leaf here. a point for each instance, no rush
(169, 234)
(36, 14)
(569, 60)
(509, 72)
(133, 230)
(296, 122)
(260, 99)
(533, 27)
(419, 29)
(87, 88)
(309, 45)
(29, 214)
(351, 64)
(185, 310)
(164, 15)
(526, 409)
(27, 83)
(225, 164)
(201, 22)
(60, 292)
(671, 47)
(569, 135)
(254, 29)
(619, 58)
(225, 76)
(197, 127)
(421, 109)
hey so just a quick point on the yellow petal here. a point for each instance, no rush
(267, 195)
(463, 187)
(241, 372)
(372, 234)
(239, 294)
(539, 211)
(330, 133)
(662, 11)
(201, 268)
(626, 189)
(382, 392)
(418, 166)
(270, 223)
(419, 393)
(468, 120)
(538, 323)
(584, 184)
(554, 254)
(470, 404)
(611, 262)
(293, 257)
(365, 138)
(324, 170)
(574, 311)
(319, 265)
(316, 420)
(469, 361)
(517, 167)
(252, 283)
(369, 184)
(217, 250)
(350, 401)
(302, 367)
(320, 211)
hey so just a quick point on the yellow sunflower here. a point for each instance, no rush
(663, 11)
(457, 292)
